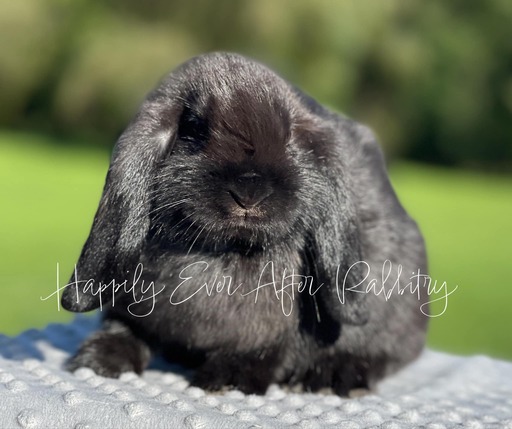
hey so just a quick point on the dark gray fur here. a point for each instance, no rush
(229, 164)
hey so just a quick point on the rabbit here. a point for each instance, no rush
(237, 234)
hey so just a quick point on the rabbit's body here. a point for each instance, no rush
(250, 207)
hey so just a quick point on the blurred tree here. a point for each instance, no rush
(433, 79)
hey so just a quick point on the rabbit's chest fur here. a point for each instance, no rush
(207, 302)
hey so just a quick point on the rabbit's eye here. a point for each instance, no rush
(192, 127)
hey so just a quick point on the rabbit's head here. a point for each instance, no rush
(223, 155)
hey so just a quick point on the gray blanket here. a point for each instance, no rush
(437, 391)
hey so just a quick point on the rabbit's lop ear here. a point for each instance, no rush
(338, 266)
(111, 252)
(334, 246)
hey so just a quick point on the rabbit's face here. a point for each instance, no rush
(232, 175)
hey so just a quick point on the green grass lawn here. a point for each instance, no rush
(49, 195)
(466, 219)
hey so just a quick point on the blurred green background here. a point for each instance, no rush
(433, 79)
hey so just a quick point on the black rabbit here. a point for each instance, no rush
(237, 215)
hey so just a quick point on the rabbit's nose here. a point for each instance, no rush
(249, 189)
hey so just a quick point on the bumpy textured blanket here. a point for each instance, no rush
(437, 391)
